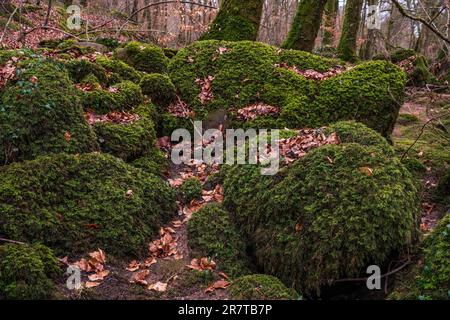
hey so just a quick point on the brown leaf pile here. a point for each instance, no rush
(297, 147)
(180, 109)
(205, 94)
(112, 117)
(313, 74)
(95, 266)
(202, 264)
(407, 65)
(7, 71)
(256, 110)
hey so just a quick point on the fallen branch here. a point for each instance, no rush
(7, 23)
(48, 28)
(423, 21)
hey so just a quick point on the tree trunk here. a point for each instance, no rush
(348, 41)
(306, 25)
(331, 9)
(375, 43)
(237, 20)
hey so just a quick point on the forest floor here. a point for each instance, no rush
(170, 272)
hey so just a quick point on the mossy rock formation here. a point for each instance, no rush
(77, 203)
(431, 279)
(327, 216)
(26, 271)
(260, 287)
(213, 234)
(143, 57)
(245, 73)
(40, 113)
(159, 88)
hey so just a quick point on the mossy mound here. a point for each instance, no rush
(260, 287)
(191, 189)
(26, 271)
(159, 88)
(244, 73)
(143, 57)
(431, 279)
(319, 219)
(211, 233)
(443, 190)
(40, 113)
(120, 71)
(80, 69)
(128, 141)
(355, 132)
(120, 97)
(74, 204)
(154, 162)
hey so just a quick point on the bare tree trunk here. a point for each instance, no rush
(375, 43)
(348, 42)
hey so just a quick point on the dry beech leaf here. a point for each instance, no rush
(139, 277)
(366, 170)
(220, 284)
(158, 286)
(90, 284)
(133, 266)
(99, 276)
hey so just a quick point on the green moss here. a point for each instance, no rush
(402, 54)
(75, 204)
(349, 34)
(159, 88)
(40, 113)
(170, 53)
(123, 96)
(260, 287)
(26, 271)
(355, 132)
(407, 118)
(119, 69)
(126, 141)
(421, 74)
(236, 21)
(319, 220)
(110, 43)
(79, 69)
(248, 72)
(154, 162)
(443, 190)
(431, 279)
(143, 57)
(191, 189)
(211, 233)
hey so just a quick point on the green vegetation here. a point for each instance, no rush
(246, 73)
(260, 287)
(319, 219)
(75, 204)
(143, 57)
(159, 88)
(191, 189)
(26, 271)
(212, 234)
(40, 113)
(121, 71)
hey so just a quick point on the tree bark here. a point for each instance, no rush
(237, 20)
(352, 19)
(331, 9)
(306, 25)
(375, 43)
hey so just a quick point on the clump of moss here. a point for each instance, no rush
(212, 234)
(260, 287)
(123, 96)
(159, 88)
(154, 162)
(407, 118)
(244, 73)
(443, 190)
(402, 54)
(170, 53)
(421, 74)
(319, 219)
(40, 113)
(431, 279)
(355, 132)
(110, 43)
(119, 69)
(126, 141)
(77, 203)
(143, 57)
(79, 69)
(26, 271)
(191, 189)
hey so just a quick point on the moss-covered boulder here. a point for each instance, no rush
(143, 57)
(159, 88)
(327, 216)
(210, 75)
(154, 162)
(119, 70)
(80, 69)
(120, 97)
(26, 271)
(430, 279)
(77, 203)
(191, 189)
(211, 233)
(128, 141)
(260, 287)
(40, 113)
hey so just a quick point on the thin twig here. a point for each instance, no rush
(7, 23)
(11, 241)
